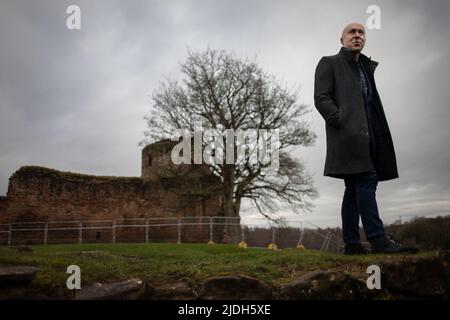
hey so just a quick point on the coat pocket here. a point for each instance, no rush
(336, 121)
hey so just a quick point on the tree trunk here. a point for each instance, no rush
(226, 231)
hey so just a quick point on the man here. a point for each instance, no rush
(359, 143)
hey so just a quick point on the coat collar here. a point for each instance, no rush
(365, 60)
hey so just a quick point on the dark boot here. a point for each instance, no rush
(385, 244)
(356, 248)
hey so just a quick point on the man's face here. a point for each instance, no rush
(354, 37)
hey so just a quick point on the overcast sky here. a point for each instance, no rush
(74, 100)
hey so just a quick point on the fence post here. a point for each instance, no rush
(45, 233)
(114, 232)
(242, 234)
(323, 243)
(146, 230)
(210, 229)
(10, 234)
(179, 231)
(272, 245)
(237, 225)
(328, 242)
(80, 233)
(301, 236)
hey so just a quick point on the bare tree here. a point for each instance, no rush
(225, 92)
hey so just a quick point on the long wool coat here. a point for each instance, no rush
(338, 98)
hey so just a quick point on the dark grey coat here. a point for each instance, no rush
(338, 97)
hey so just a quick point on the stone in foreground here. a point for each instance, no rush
(124, 290)
(173, 291)
(323, 285)
(234, 287)
(17, 274)
(420, 277)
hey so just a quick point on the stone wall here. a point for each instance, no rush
(46, 195)
(41, 194)
(157, 162)
(3, 205)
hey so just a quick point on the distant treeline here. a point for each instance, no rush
(426, 233)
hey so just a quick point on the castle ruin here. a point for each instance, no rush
(164, 191)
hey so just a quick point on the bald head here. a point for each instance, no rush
(354, 36)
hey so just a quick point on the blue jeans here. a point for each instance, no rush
(359, 200)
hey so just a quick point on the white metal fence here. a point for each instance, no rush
(172, 229)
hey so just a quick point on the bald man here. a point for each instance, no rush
(360, 149)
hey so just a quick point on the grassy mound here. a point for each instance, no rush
(161, 263)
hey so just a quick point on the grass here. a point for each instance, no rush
(30, 171)
(162, 263)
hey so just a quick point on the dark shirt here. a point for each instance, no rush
(367, 92)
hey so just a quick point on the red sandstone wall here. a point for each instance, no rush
(41, 194)
(3, 206)
(3, 228)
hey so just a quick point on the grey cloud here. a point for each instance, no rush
(74, 100)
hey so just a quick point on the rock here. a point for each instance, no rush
(17, 292)
(234, 287)
(173, 291)
(323, 285)
(17, 274)
(124, 290)
(420, 277)
(27, 292)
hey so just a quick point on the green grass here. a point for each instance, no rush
(162, 263)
